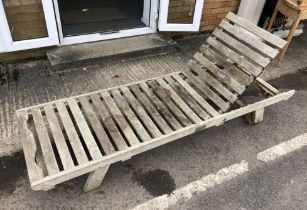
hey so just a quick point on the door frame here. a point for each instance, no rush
(152, 28)
(163, 18)
(7, 44)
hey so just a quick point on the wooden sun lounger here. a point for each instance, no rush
(84, 134)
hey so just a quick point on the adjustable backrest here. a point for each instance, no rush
(243, 44)
(232, 58)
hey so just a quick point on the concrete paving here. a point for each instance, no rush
(278, 185)
(29, 83)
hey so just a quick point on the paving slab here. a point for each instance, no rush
(78, 55)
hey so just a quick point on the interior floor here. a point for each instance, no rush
(80, 17)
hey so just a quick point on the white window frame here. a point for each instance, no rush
(152, 7)
(1, 46)
(9, 45)
(163, 17)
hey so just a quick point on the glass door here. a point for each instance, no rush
(180, 15)
(27, 24)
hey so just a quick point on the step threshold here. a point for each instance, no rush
(76, 56)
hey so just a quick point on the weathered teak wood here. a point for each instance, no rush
(240, 75)
(266, 87)
(153, 129)
(152, 111)
(221, 75)
(188, 98)
(246, 37)
(95, 179)
(84, 134)
(132, 151)
(71, 132)
(296, 11)
(58, 138)
(255, 116)
(206, 106)
(268, 37)
(110, 125)
(45, 143)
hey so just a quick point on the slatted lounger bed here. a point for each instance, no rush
(84, 134)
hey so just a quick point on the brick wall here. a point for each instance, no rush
(180, 11)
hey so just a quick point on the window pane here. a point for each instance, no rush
(26, 19)
(181, 11)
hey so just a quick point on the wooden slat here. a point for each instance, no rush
(130, 115)
(120, 119)
(213, 83)
(58, 137)
(180, 102)
(267, 36)
(242, 77)
(207, 91)
(153, 112)
(165, 96)
(71, 133)
(188, 98)
(84, 130)
(97, 127)
(137, 107)
(267, 87)
(44, 140)
(219, 73)
(209, 109)
(243, 35)
(213, 56)
(242, 48)
(110, 125)
(30, 148)
(168, 116)
(234, 56)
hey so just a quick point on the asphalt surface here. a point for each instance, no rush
(281, 184)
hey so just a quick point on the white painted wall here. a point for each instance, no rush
(251, 10)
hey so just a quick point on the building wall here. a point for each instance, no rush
(213, 12)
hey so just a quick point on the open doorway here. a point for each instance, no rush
(83, 17)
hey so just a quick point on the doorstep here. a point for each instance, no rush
(75, 56)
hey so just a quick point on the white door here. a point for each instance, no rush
(150, 12)
(165, 24)
(17, 31)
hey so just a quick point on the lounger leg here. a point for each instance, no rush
(255, 116)
(95, 179)
(48, 188)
